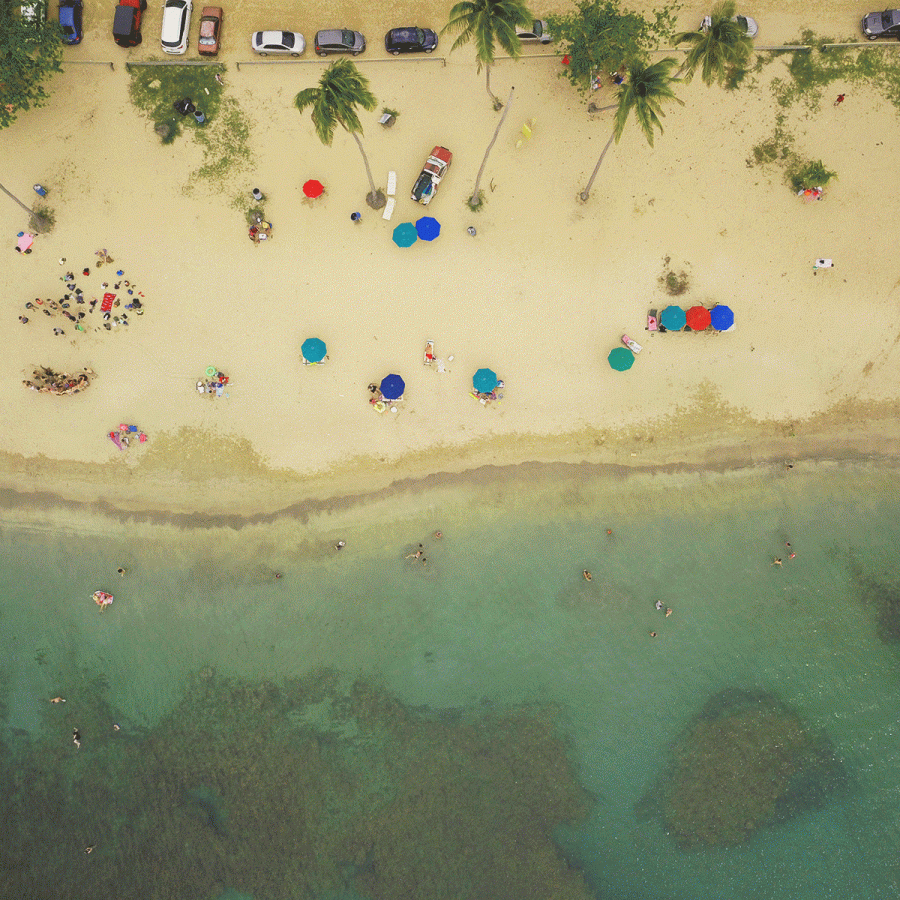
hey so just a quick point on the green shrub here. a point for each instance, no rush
(809, 174)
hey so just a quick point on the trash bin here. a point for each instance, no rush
(199, 117)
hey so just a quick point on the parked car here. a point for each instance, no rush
(70, 20)
(339, 40)
(537, 32)
(208, 37)
(266, 42)
(882, 24)
(410, 40)
(433, 171)
(127, 22)
(751, 29)
(176, 25)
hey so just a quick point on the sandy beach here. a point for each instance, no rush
(541, 294)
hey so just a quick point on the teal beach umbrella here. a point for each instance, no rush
(673, 318)
(405, 234)
(313, 350)
(484, 381)
(621, 359)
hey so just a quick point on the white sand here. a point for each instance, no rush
(541, 295)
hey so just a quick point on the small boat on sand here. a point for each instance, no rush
(102, 599)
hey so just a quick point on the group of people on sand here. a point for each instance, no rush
(214, 385)
(45, 381)
(67, 306)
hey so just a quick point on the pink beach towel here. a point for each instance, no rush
(114, 437)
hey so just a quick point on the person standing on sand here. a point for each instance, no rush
(840, 100)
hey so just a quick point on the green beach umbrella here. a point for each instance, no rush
(313, 350)
(405, 234)
(621, 359)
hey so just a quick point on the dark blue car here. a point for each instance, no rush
(70, 21)
(410, 40)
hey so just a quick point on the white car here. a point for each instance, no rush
(751, 29)
(176, 25)
(266, 42)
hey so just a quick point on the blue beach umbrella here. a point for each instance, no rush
(620, 359)
(484, 381)
(428, 228)
(722, 317)
(313, 350)
(673, 318)
(405, 234)
(392, 387)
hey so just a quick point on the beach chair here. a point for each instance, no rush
(392, 184)
(633, 346)
(429, 352)
(388, 209)
(652, 321)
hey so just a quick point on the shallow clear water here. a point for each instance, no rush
(499, 622)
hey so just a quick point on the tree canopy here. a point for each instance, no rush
(600, 37)
(718, 48)
(485, 22)
(341, 89)
(30, 52)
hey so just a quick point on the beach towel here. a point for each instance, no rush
(107, 303)
(114, 437)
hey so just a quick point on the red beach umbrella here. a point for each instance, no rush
(313, 188)
(697, 318)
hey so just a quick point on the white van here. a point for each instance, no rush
(176, 25)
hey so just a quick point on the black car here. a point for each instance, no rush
(70, 21)
(882, 24)
(410, 40)
(127, 22)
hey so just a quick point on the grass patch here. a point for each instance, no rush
(155, 88)
(778, 148)
(225, 142)
(673, 283)
(387, 111)
(809, 174)
(811, 72)
(476, 203)
(43, 218)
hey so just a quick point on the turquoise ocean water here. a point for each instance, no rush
(486, 725)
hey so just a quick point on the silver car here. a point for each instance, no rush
(339, 40)
(536, 33)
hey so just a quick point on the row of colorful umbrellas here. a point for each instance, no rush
(392, 386)
(426, 228)
(697, 318)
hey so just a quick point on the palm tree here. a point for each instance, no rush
(341, 89)
(487, 21)
(643, 91)
(720, 45)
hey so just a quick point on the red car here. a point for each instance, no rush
(210, 23)
(127, 22)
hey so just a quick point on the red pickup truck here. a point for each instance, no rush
(433, 171)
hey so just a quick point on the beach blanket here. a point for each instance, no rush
(107, 303)
(114, 437)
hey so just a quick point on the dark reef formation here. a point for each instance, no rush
(745, 762)
(300, 789)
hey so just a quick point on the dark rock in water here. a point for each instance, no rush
(210, 807)
(746, 762)
(883, 596)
